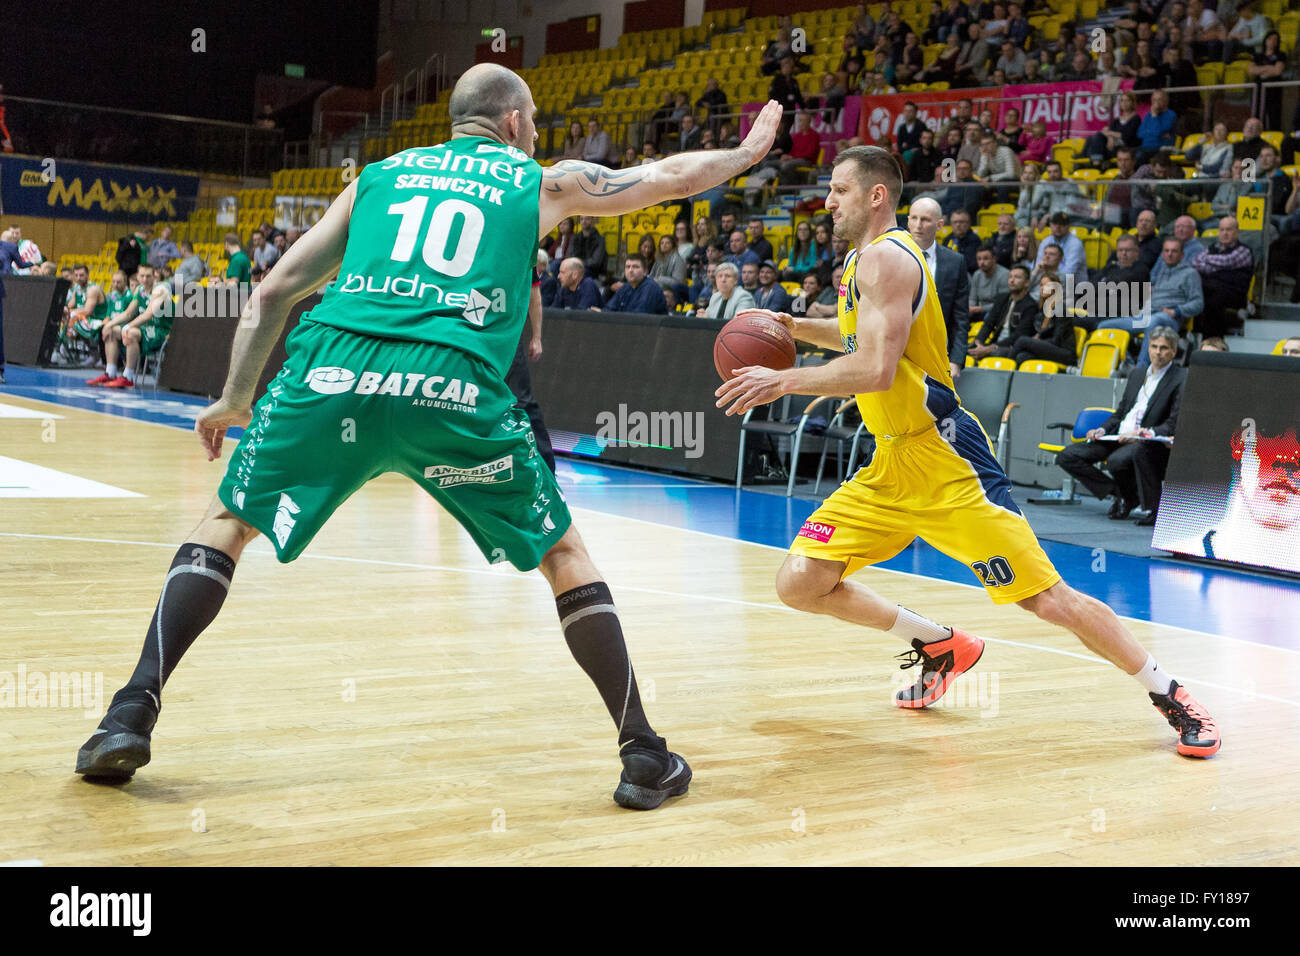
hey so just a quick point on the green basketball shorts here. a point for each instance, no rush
(152, 335)
(346, 408)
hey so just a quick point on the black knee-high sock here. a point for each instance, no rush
(595, 638)
(195, 588)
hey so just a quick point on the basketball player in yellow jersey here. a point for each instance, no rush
(933, 474)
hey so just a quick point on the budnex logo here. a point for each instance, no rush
(474, 305)
(432, 391)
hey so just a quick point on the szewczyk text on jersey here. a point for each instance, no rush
(441, 249)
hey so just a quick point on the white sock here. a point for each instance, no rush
(130, 374)
(111, 371)
(1153, 678)
(911, 626)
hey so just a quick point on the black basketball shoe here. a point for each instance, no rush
(121, 744)
(649, 778)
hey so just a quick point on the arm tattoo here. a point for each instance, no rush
(592, 179)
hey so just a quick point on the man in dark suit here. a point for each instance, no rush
(1013, 314)
(1149, 410)
(951, 281)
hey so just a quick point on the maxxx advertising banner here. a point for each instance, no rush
(30, 186)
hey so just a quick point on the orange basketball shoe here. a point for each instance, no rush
(1198, 735)
(942, 662)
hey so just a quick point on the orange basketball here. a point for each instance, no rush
(754, 337)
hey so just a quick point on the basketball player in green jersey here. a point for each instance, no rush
(86, 327)
(434, 250)
(85, 303)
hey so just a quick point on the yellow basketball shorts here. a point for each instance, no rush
(946, 489)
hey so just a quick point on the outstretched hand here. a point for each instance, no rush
(752, 386)
(785, 318)
(763, 132)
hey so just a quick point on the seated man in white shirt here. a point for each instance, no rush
(1136, 460)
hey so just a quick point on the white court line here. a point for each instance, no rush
(22, 863)
(674, 594)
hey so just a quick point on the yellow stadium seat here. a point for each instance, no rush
(1117, 337)
(994, 361)
(1040, 366)
(1100, 359)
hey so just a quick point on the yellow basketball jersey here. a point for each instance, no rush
(923, 390)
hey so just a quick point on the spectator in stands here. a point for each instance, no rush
(727, 225)
(1081, 69)
(974, 57)
(1175, 297)
(291, 235)
(598, 146)
(1127, 27)
(1003, 241)
(826, 304)
(1268, 66)
(944, 67)
(1012, 62)
(662, 120)
(1171, 199)
(1056, 195)
(864, 26)
(1035, 72)
(688, 137)
(1206, 33)
(962, 239)
(191, 268)
(562, 246)
(546, 284)
(908, 129)
(1124, 270)
(776, 51)
(972, 132)
(589, 246)
(1053, 338)
(785, 87)
(574, 142)
(1185, 232)
(1226, 268)
(703, 235)
(1013, 314)
(997, 164)
(740, 253)
(575, 291)
(1247, 34)
(839, 255)
(1213, 159)
(951, 281)
(994, 18)
(803, 253)
(714, 103)
(757, 243)
(824, 242)
(953, 20)
(1214, 344)
(1122, 130)
(669, 269)
(812, 288)
(924, 160)
(987, 282)
(133, 250)
(770, 295)
(1029, 187)
(1017, 26)
(1156, 131)
(1038, 148)
(1175, 70)
(729, 299)
(1049, 264)
(1025, 251)
(1142, 66)
(1150, 246)
(749, 277)
(1291, 347)
(1251, 141)
(265, 255)
(910, 60)
(1012, 134)
(1268, 174)
(637, 293)
(682, 238)
(269, 231)
(48, 268)
(240, 268)
(965, 192)
(1152, 397)
(162, 250)
(1288, 223)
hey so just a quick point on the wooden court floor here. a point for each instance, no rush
(391, 699)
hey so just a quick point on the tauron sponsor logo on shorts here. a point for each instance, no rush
(130, 910)
(435, 391)
(501, 470)
(817, 531)
(330, 380)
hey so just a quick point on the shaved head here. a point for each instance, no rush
(485, 94)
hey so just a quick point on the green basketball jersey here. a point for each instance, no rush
(441, 249)
(77, 297)
(119, 302)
